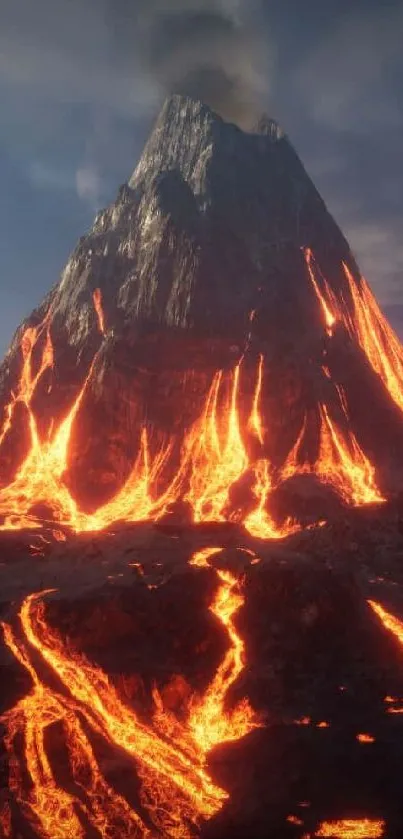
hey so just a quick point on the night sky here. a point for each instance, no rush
(81, 81)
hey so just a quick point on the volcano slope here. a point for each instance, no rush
(201, 523)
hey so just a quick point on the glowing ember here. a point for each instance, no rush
(97, 298)
(169, 756)
(365, 738)
(294, 820)
(352, 829)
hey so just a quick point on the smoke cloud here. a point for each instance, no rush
(213, 50)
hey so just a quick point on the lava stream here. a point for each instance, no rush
(214, 457)
(53, 812)
(216, 453)
(390, 622)
(97, 299)
(365, 323)
(169, 755)
(209, 722)
(340, 461)
(327, 301)
(378, 340)
(352, 829)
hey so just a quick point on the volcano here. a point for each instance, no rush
(201, 465)
(209, 337)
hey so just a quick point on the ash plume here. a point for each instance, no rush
(211, 50)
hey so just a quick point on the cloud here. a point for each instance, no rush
(89, 185)
(129, 57)
(213, 51)
(342, 79)
(44, 176)
(379, 250)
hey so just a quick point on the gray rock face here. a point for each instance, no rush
(208, 228)
(198, 261)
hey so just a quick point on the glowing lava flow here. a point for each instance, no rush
(343, 464)
(365, 324)
(209, 722)
(255, 424)
(53, 812)
(390, 622)
(28, 379)
(218, 458)
(169, 756)
(40, 478)
(340, 461)
(97, 298)
(352, 829)
(378, 340)
(326, 304)
(216, 452)
(214, 457)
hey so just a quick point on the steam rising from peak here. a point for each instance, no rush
(207, 49)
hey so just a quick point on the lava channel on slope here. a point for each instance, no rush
(224, 448)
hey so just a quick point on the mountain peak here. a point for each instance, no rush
(201, 259)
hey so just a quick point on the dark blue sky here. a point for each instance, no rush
(76, 104)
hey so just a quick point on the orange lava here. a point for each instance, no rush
(340, 460)
(326, 299)
(365, 323)
(209, 723)
(352, 829)
(216, 453)
(376, 337)
(168, 755)
(215, 456)
(255, 420)
(365, 738)
(97, 298)
(390, 622)
(294, 820)
(29, 379)
(342, 463)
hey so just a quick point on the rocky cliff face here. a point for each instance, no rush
(209, 227)
(199, 261)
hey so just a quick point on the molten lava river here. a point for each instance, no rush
(174, 789)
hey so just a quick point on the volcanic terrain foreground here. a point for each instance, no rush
(200, 516)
